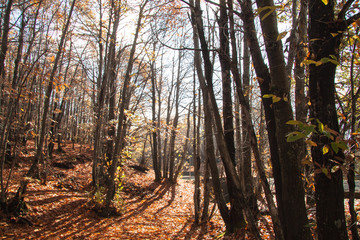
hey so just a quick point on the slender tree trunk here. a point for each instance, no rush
(246, 148)
(247, 124)
(33, 171)
(124, 104)
(236, 212)
(264, 79)
(196, 158)
(209, 144)
(155, 131)
(4, 38)
(207, 87)
(185, 149)
(175, 123)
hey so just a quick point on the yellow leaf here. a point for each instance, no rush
(281, 35)
(325, 149)
(276, 99)
(326, 2)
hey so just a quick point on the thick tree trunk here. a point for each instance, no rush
(295, 224)
(351, 171)
(329, 192)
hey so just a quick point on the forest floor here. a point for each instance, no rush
(64, 209)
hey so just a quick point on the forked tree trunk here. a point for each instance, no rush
(236, 212)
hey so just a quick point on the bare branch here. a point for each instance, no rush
(341, 15)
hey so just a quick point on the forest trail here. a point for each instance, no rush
(62, 209)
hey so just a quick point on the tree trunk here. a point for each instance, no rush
(264, 79)
(33, 171)
(295, 224)
(329, 192)
(207, 87)
(155, 130)
(236, 212)
(196, 157)
(351, 172)
(246, 148)
(124, 104)
(4, 39)
(175, 123)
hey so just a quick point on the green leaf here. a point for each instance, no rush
(324, 60)
(308, 62)
(293, 136)
(318, 63)
(332, 60)
(342, 145)
(309, 129)
(293, 122)
(335, 147)
(320, 126)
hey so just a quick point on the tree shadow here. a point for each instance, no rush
(194, 231)
(165, 186)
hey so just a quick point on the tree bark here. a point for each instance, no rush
(124, 104)
(264, 79)
(329, 192)
(236, 212)
(295, 225)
